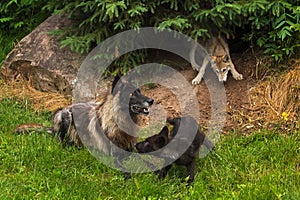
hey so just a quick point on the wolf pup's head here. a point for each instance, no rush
(154, 142)
(221, 66)
(138, 103)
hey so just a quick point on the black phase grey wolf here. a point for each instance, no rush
(165, 136)
(217, 49)
(97, 118)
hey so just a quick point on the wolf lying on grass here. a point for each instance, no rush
(160, 140)
(108, 117)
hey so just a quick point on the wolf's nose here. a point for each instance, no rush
(150, 101)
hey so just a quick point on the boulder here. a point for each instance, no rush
(39, 59)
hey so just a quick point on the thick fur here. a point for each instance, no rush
(63, 126)
(95, 118)
(218, 50)
(187, 159)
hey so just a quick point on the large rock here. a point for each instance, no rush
(39, 58)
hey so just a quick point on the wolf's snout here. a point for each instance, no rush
(150, 101)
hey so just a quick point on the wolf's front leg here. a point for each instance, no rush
(190, 169)
(235, 74)
(201, 72)
(119, 157)
(198, 78)
(163, 172)
(192, 55)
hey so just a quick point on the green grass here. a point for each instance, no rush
(264, 165)
(7, 42)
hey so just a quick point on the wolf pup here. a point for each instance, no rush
(218, 50)
(160, 140)
(100, 117)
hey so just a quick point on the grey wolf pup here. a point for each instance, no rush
(217, 49)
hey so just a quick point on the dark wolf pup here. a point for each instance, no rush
(160, 140)
(118, 108)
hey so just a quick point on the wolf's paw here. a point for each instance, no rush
(196, 81)
(238, 76)
(195, 67)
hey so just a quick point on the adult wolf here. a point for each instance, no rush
(111, 116)
(217, 49)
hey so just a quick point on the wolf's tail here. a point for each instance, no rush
(27, 128)
(209, 144)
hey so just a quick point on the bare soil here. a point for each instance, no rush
(236, 94)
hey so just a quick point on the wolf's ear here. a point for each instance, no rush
(214, 58)
(164, 132)
(117, 78)
(173, 121)
(160, 142)
(162, 138)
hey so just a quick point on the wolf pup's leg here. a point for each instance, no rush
(235, 74)
(190, 169)
(201, 72)
(195, 66)
(163, 172)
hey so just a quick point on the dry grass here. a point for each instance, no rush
(277, 99)
(22, 89)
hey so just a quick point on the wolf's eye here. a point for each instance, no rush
(225, 59)
(224, 70)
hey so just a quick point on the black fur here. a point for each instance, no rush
(187, 159)
(138, 103)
